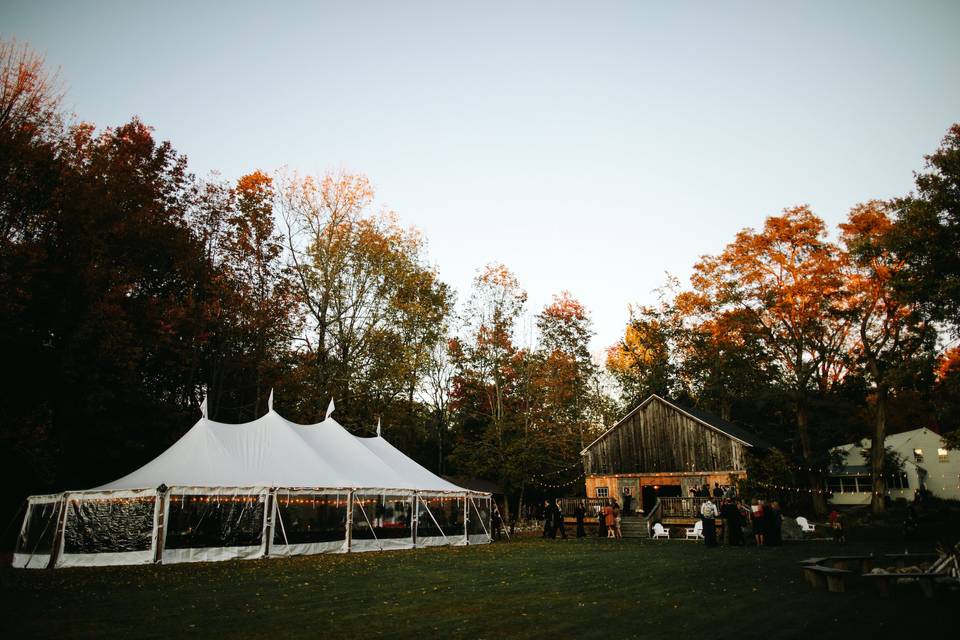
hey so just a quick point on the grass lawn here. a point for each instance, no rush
(525, 588)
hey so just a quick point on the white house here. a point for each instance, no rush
(926, 459)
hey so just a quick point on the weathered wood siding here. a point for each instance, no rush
(660, 438)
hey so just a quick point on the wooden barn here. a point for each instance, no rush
(661, 450)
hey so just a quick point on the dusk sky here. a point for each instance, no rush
(588, 146)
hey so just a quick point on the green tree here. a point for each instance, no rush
(926, 236)
(891, 332)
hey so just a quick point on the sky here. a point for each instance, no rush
(589, 146)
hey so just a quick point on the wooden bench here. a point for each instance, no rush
(819, 576)
(863, 563)
(886, 581)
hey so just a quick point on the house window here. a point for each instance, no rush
(835, 484)
(898, 481)
(942, 455)
(918, 455)
(603, 492)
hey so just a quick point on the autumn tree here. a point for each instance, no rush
(248, 294)
(564, 341)
(889, 332)
(642, 361)
(374, 308)
(786, 279)
(721, 358)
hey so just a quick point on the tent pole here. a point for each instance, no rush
(160, 527)
(269, 510)
(349, 521)
(466, 519)
(414, 520)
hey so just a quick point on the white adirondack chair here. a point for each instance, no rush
(697, 532)
(805, 525)
(660, 532)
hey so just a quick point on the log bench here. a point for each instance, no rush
(819, 576)
(886, 581)
(863, 563)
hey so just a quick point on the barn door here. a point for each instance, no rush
(628, 494)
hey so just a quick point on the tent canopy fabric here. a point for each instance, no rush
(274, 452)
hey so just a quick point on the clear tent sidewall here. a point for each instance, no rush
(38, 532)
(382, 519)
(372, 519)
(211, 506)
(289, 539)
(84, 544)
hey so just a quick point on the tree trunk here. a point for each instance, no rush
(813, 477)
(726, 409)
(878, 451)
(506, 509)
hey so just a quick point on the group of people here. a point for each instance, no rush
(608, 519)
(553, 519)
(765, 521)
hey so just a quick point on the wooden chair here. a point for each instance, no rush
(659, 531)
(697, 532)
(805, 525)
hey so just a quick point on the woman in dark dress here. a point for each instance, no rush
(601, 524)
(756, 521)
(547, 519)
(579, 513)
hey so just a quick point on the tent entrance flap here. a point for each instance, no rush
(382, 520)
(38, 533)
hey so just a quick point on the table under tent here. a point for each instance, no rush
(265, 488)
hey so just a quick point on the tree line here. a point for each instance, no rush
(814, 339)
(130, 289)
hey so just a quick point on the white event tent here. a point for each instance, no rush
(265, 488)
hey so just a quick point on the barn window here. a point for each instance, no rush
(943, 455)
(603, 492)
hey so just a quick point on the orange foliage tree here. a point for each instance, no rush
(786, 279)
(889, 331)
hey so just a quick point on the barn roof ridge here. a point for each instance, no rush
(707, 419)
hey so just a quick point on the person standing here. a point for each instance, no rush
(737, 518)
(610, 520)
(558, 524)
(836, 524)
(601, 522)
(717, 491)
(726, 518)
(756, 521)
(708, 513)
(547, 519)
(579, 513)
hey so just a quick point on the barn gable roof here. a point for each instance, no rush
(706, 419)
